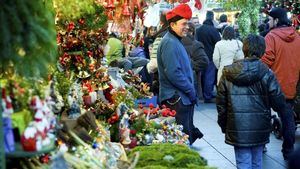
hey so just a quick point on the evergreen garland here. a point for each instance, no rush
(248, 18)
(163, 156)
(27, 37)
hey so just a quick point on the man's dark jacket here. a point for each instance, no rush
(195, 50)
(209, 36)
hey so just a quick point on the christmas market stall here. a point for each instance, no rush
(64, 107)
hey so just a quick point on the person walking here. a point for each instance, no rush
(176, 82)
(223, 54)
(199, 59)
(209, 36)
(282, 56)
(247, 91)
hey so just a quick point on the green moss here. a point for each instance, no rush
(154, 156)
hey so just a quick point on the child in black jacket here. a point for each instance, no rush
(247, 91)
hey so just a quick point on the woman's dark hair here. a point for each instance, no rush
(254, 45)
(223, 18)
(163, 18)
(191, 28)
(228, 33)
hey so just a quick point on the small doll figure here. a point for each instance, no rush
(74, 111)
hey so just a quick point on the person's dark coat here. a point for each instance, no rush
(209, 36)
(195, 50)
(247, 90)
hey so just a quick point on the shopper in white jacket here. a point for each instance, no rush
(227, 50)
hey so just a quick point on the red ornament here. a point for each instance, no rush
(198, 4)
(87, 100)
(172, 113)
(45, 159)
(110, 4)
(146, 112)
(133, 142)
(28, 144)
(71, 26)
(133, 132)
(81, 21)
(126, 9)
(165, 113)
(151, 105)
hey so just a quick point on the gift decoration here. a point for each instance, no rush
(37, 134)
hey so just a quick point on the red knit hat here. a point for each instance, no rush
(182, 10)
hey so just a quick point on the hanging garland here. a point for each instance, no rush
(28, 36)
(248, 18)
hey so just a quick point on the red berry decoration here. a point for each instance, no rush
(151, 105)
(172, 113)
(146, 112)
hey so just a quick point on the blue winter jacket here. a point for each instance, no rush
(175, 72)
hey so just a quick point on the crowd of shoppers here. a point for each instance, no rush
(251, 76)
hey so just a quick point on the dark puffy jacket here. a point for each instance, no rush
(246, 92)
(196, 51)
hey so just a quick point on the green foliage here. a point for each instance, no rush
(21, 89)
(114, 132)
(97, 19)
(248, 18)
(234, 4)
(135, 93)
(154, 156)
(139, 124)
(63, 83)
(28, 37)
(73, 9)
(87, 20)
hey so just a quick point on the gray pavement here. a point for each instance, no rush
(221, 155)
